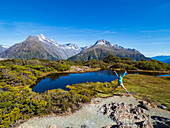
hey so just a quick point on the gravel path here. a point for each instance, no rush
(89, 115)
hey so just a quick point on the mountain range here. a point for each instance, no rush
(102, 48)
(40, 47)
(164, 59)
(44, 48)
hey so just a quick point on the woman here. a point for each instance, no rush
(120, 82)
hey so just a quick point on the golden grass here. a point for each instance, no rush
(148, 71)
(151, 88)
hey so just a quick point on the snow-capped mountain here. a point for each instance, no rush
(44, 48)
(2, 48)
(40, 47)
(65, 50)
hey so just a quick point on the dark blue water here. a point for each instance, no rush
(163, 75)
(55, 81)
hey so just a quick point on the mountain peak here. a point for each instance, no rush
(45, 48)
(41, 37)
(103, 42)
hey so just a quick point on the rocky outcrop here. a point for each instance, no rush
(79, 68)
(126, 115)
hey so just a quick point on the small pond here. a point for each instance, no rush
(55, 81)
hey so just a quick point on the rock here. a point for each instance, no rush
(143, 102)
(149, 104)
(143, 106)
(126, 116)
(144, 124)
(84, 126)
(153, 105)
(51, 126)
(97, 101)
(163, 107)
(102, 110)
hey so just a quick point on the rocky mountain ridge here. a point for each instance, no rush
(102, 48)
(44, 48)
(40, 47)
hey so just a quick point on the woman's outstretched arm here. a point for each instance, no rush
(124, 74)
(116, 73)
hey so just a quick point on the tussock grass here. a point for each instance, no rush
(151, 88)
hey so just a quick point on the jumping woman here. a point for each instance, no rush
(120, 82)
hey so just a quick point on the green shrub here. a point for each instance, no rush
(131, 68)
(102, 66)
(111, 59)
(152, 65)
(63, 67)
(120, 65)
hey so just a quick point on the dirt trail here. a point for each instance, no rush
(90, 115)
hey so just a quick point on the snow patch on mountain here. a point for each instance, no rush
(71, 46)
(4, 46)
(103, 42)
(45, 40)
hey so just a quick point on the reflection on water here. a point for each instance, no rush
(55, 81)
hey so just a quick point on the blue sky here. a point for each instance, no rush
(140, 24)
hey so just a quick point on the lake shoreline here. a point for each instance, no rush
(92, 70)
(70, 71)
(98, 69)
(86, 71)
(60, 72)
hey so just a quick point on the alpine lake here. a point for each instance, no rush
(61, 80)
